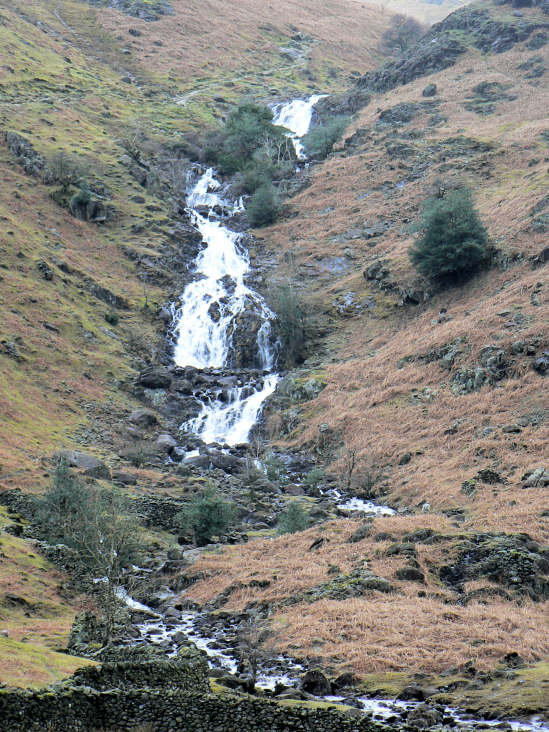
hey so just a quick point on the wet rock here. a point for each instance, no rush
(214, 311)
(165, 443)
(155, 378)
(143, 417)
(424, 716)
(345, 681)
(314, 682)
(244, 331)
(412, 692)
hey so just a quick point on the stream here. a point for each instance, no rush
(213, 307)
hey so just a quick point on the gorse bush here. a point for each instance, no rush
(293, 519)
(319, 142)
(262, 208)
(207, 515)
(453, 243)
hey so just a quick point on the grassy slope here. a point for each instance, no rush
(382, 411)
(34, 614)
(63, 85)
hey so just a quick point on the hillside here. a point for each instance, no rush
(79, 299)
(397, 363)
(430, 401)
(69, 85)
(435, 400)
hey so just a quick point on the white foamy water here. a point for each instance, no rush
(296, 116)
(212, 303)
(158, 632)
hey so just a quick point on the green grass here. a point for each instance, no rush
(31, 666)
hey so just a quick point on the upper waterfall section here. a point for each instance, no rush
(296, 116)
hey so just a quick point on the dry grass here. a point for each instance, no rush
(412, 634)
(375, 633)
(35, 613)
(206, 38)
(382, 411)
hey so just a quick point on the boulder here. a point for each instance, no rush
(124, 478)
(344, 681)
(536, 478)
(155, 378)
(89, 464)
(143, 417)
(361, 533)
(541, 364)
(412, 692)
(245, 329)
(424, 716)
(314, 682)
(430, 90)
(165, 443)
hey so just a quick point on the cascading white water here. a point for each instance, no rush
(211, 304)
(296, 116)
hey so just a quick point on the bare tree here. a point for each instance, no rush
(252, 634)
(403, 31)
(349, 464)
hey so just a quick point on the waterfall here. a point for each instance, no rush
(296, 116)
(213, 304)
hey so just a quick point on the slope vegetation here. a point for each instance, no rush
(431, 400)
(85, 268)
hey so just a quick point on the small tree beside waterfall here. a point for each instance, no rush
(319, 141)
(290, 324)
(100, 527)
(250, 141)
(207, 515)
